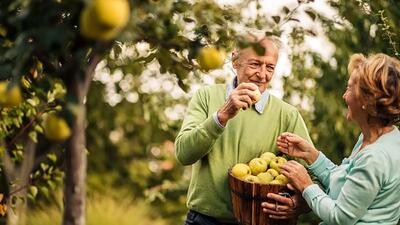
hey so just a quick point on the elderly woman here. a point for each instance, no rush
(365, 187)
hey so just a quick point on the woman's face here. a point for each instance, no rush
(354, 105)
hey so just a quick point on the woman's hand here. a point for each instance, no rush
(296, 146)
(297, 175)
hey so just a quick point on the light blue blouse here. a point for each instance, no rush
(364, 189)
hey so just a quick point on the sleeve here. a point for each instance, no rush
(198, 133)
(361, 187)
(322, 168)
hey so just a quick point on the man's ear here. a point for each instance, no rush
(235, 58)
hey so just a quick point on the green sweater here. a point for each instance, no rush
(212, 150)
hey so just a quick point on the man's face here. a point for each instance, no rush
(256, 69)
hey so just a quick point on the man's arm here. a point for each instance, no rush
(198, 133)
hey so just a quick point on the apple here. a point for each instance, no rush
(273, 172)
(268, 156)
(56, 128)
(257, 93)
(276, 162)
(265, 178)
(258, 165)
(241, 170)
(282, 178)
(9, 97)
(277, 182)
(111, 13)
(104, 19)
(252, 179)
(210, 58)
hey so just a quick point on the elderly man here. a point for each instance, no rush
(216, 134)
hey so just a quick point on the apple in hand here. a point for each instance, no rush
(258, 165)
(241, 170)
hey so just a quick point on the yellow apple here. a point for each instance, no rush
(268, 156)
(265, 177)
(56, 128)
(258, 165)
(276, 162)
(111, 13)
(9, 97)
(277, 182)
(240, 170)
(104, 19)
(282, 178)
(273, 172)
(210, 58)
(91, 29)
(251, 179)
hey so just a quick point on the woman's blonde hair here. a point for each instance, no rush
(378, 86)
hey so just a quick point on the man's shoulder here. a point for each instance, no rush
(282, 105)
(212, 89)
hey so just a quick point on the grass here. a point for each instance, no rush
(101, 210)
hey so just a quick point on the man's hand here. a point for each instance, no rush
(285, 207)
(241, 98)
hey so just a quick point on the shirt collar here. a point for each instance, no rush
(259, 106)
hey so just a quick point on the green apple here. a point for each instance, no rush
(277, 182)
(273, 172)
(268, 156)
(276, 162)
(252, 179)
(241, 170)
(258, 165)
(282, 178)
(265, 177)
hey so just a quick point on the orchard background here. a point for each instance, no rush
(92, 94)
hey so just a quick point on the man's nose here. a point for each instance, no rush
(264, 73)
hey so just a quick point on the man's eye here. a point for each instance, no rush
(270, 68)
(254, 64)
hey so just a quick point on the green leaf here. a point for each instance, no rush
(258, 48)
(311, 14)
(33, 190)
(276, 19)
(33, 136)
(52, 157)
(286, 10)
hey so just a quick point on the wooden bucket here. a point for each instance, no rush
(247, 198)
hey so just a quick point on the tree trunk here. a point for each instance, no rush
(75, 172)
(76, 162)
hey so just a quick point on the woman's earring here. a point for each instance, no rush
(363, 107)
